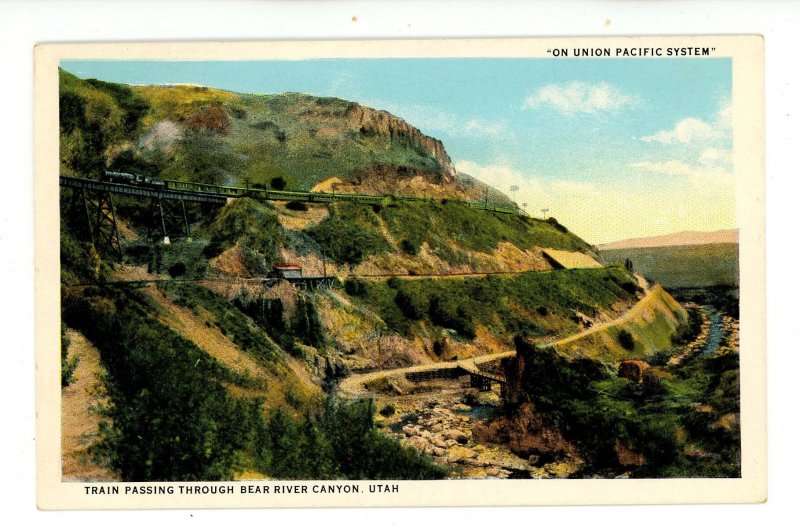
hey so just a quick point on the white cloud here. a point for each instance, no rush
(495, 129)
(712, 156)
(501, 175)
(686, 131)
(694, 130)
(710, 175)
(578, 97)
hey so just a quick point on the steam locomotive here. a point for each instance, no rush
(133, 179)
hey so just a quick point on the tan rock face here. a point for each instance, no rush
(398, 130)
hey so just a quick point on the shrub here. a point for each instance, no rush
(625, 339)
(443, 312)
(348, 240)
(239, 113)
(561, 228)
(440, 346)
(277, 183)
(68, 366)
(388, 410)
(412, 304)
(630, 287)
(177, 269)
(354, 287)
(293, 398)
(255, 226)
(297, 206)
(408, 247)
(628, 264)
(411, 417)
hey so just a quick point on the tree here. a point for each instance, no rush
(283, 438)
(628, 264)
(307, 325)
(625, 339)
(411, 304)
(277, 183)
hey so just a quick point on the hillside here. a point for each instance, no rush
(296, 141)
(682, 239)
(214, 368)
(662, 421)
(683, 266)
(652, 325)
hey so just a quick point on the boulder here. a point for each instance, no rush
(453, 434)
(633, 369)
(460, 454)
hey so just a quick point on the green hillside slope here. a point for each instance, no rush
(683, 266)
(202, 134)
(218, 370)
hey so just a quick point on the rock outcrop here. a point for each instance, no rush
(379, 122)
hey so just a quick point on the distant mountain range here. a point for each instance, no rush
(686, 238)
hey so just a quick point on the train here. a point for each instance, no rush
(133, 179)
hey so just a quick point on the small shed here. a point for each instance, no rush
(288, 270)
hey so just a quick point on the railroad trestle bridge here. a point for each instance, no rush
(92, 205)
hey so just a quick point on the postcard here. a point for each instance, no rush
(400, 273)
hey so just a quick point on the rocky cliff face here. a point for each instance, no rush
(378, 122)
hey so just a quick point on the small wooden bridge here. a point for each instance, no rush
(475, 368)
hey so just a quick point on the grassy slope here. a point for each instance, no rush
(683, 266)
(351, 233)
(309, 139)
(652, 323)
(442, 223)
(305, 139)
(530, 303)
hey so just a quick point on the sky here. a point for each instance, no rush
(612, 148)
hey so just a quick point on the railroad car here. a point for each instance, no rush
(133, 179)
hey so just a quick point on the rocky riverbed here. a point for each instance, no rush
(438, 421)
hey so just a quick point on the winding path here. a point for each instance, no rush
(355, 385)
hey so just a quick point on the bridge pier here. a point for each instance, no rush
(79, 216)
(483, 384)
(93, 216)
(168, 220)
